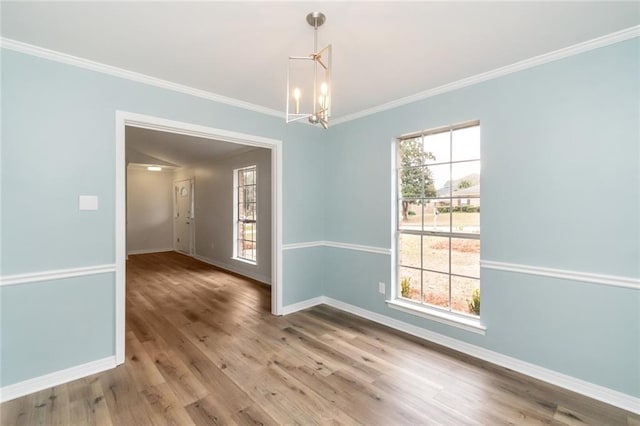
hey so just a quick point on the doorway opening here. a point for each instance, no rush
(126, 120)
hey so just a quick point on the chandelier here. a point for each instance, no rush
(308, 85)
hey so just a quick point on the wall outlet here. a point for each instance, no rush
(381, 288)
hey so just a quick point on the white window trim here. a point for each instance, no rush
(242, 259)
(234, 255)
(469, 324)
(453, 319)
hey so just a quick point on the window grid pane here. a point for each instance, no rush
(246, 220)
(438, 206)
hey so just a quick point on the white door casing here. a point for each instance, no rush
(124, 119)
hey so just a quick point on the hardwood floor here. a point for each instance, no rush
(202, 348)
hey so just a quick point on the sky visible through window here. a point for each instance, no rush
(463, 146)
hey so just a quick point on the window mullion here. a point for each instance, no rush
(422, 267)
(450, 208)
(423, 192)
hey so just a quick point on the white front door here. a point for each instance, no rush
(183, 215)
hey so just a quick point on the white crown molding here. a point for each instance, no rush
(56, 378)
(610, 280)
(56, 274)
(53, 55)
(576, 49)
(29, 49)
(335, 244)
(591, 390)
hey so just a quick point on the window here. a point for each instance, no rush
(245, 213)
(438, 218)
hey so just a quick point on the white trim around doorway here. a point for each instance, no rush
(123, 119)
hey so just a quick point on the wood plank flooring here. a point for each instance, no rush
(203, 349)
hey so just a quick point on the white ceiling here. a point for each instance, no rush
(144, 146)
(382, 51)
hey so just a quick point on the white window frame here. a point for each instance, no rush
(236, 220)
(461, 320)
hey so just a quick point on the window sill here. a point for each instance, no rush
(250, 262)
(468, 324)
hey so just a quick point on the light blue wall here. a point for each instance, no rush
(53, 325)
(303, 186)
(560, 189)
(304, 266)
(58, 142)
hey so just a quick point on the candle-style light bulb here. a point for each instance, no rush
(296, 96)
(324, 89)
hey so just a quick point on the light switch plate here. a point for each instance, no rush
(88, 202)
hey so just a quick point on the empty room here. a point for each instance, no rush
(377, 213)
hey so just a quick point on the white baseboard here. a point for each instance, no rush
(36, 384)
(305, 304)
(228, 267)
(601, 393)
(148, 251)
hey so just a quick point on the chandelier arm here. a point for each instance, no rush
(315, 85)
(298, 117)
